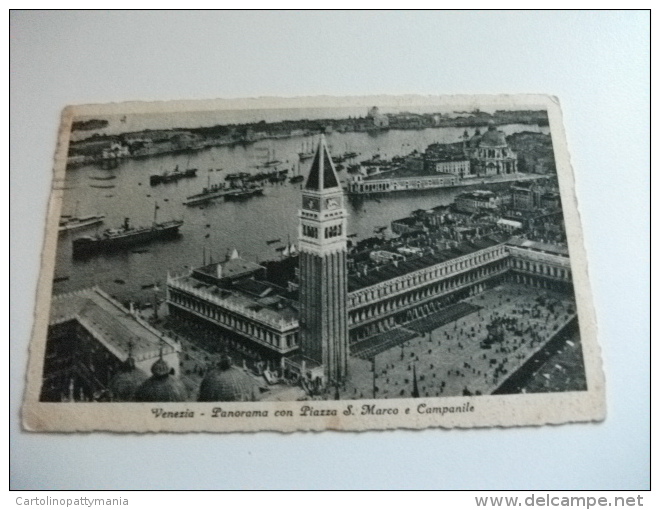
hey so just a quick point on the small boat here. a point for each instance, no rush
(119, 281)
(108, 196)
(280, 248)
(208, 193)
(277, 178)
(102, 177)
(271, 161)
(207, 236)
(58, 279)
(351, 235)
(70, 222)
(237, 176)
(102, 186)
(173, 176)
(273, 241)
(244, 192)
(148, 286)
(298, 177)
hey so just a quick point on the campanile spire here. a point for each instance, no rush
(323, 281)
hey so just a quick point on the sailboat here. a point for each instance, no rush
(290, 249)
(297, 177)
(307, 152)
(272, 159)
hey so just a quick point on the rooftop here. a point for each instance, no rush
(232, 268)
(393, 270)
(113, 325)
(555, 249)
(406, 173)
(258, 298)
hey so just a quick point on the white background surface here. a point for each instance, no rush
(596, 63)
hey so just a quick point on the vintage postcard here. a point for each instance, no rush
(355, 263)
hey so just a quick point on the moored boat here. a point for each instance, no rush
(172, 176)
(207, 194)
(244, 192)
(297, 177)
(126, 236)
(74, 222)
(307, 152)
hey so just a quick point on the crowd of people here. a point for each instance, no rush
(469, 356)
(472, 355)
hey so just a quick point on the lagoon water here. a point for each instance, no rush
(210, 230)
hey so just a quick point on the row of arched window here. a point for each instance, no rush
(384, 289)
(228, 320)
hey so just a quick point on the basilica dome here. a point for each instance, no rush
(492, 138)
(227, 383)
(162, 386)
(125, 382)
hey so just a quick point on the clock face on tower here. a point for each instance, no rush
(311, 203)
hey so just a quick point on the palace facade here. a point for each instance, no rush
(326, 312)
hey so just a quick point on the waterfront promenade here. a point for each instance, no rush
(382, 184)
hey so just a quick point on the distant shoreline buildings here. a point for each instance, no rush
(307, 313)
(108, 149)
(480, 159)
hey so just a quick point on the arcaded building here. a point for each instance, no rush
(326, 312)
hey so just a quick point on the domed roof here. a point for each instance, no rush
(226, 383)
(161, 386)
(493, 138)
(476, 138)
(160, 368)
(125, 382)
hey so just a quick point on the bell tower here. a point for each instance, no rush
(323, 281)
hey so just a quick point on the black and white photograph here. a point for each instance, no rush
(408, 251)
(330, 249)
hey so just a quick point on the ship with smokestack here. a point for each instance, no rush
(126, 236)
